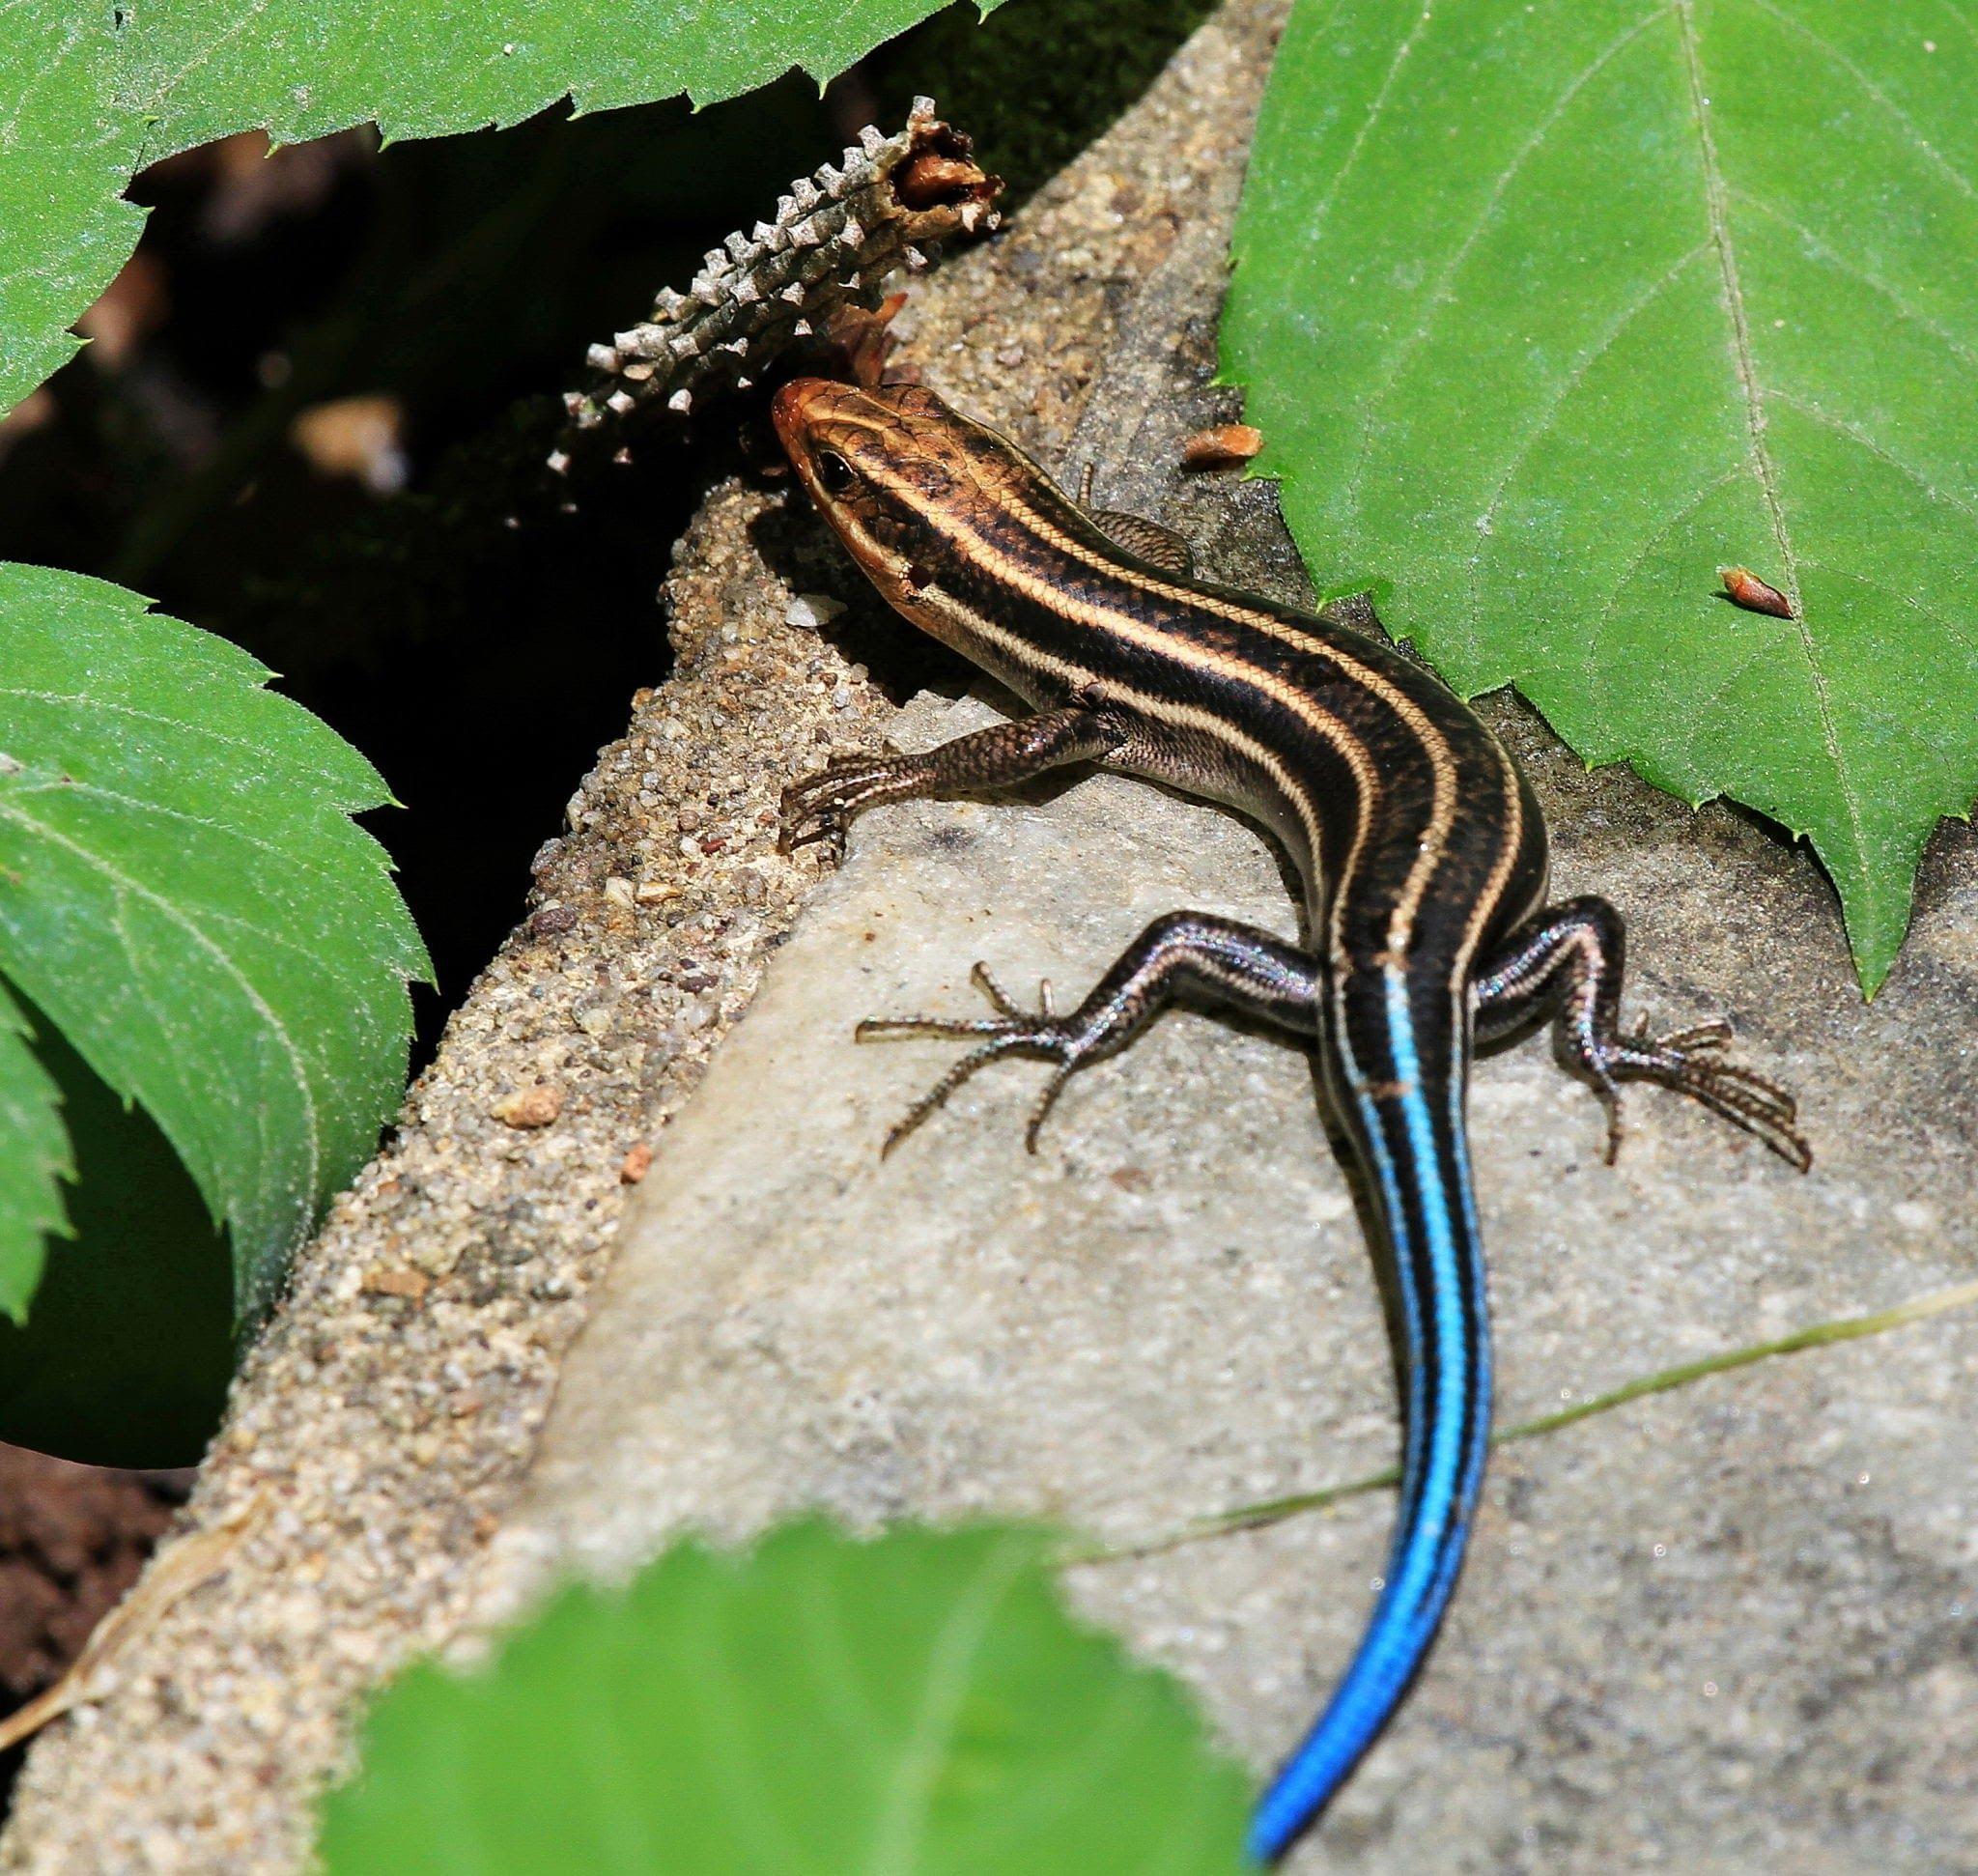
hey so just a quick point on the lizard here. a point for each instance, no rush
(1424, 858)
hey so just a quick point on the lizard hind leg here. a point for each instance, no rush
(1193, 954)
(820, 807)
(1568, 960)
(1012, 1031)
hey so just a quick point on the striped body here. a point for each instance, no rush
(1418, 844)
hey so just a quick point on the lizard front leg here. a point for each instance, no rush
(1192, 955)
(820, 805)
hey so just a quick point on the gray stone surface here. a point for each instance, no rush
(1728, 1628)
(388, 1418)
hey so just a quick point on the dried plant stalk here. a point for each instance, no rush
(835, 238)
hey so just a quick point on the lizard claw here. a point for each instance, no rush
(1012, 1031)
(814, 810)
(1690, 1061)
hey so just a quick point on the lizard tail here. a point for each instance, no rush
(1399, 1064)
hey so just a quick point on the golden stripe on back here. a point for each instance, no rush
(1005, 492)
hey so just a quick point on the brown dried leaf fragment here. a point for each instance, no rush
(177, 1572)
(635, 1164)
(1222, 445)
(1755, 595)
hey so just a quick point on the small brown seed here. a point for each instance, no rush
(1755, 595)
(636, 1165)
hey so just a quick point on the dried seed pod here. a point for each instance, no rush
(836, 236)
(1221, 445)
(930, 177)
(1755, 595)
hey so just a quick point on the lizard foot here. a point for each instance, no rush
(1070, 1041)
(818, 808)
(1691, 1061)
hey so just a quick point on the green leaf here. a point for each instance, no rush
(918, 1703)
(201, 69)
(34, 1160)
(183, 894)
(125, 1355)
(91, 92)
(1550, 311)
(66, 153)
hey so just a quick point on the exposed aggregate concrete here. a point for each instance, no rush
(382, 1422)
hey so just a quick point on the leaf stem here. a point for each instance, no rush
(1273, 1510)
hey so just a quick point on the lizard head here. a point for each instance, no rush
(883, 465)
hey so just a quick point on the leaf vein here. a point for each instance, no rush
(140, 987)
(896, 1841)
(1963, 631)
(1439, 295)
(47, 67)
(290, 857)
(1870, 89)
(1808, 408)
(1854, 270)
(1602, 344)
(1754, 413)
(124, 884)
(1409, 40)
(1958, 14)
(106, 706)
(1663, 528)
(1724, 686)
(153, 104)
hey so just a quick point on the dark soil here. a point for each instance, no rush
(73, 1539)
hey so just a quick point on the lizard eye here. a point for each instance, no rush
(835, 475)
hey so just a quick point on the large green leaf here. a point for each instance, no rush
(183, 894)
(822, 1707)
(1549, 311)
(89, 90)
(66, 152)
(34, 1159)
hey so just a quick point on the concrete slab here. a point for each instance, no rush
(1727, 1628)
